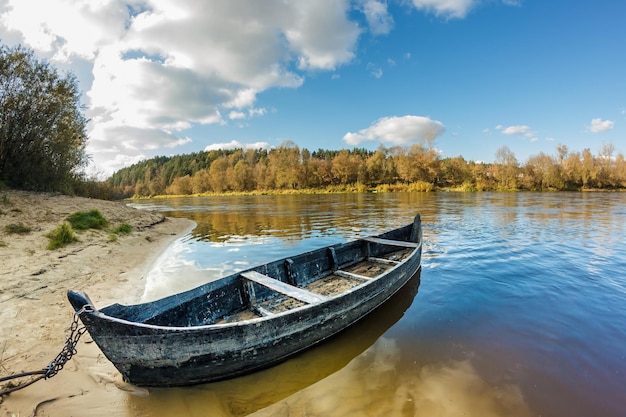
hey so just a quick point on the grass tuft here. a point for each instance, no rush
(61, 236)
(123, 229)
(84, 220)
(19, 229)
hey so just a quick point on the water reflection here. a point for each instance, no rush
(374, 385)
(288, 217)
(245, 395)
(523, 293)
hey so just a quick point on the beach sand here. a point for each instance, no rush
(35, 315)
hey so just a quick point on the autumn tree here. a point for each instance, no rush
(284, 166)
(506, 168)
(42, 128)
(589, 170)
(542, 172)
(217, 174)
(345, 167)
(454, 171)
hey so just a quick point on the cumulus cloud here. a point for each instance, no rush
(161, 67)
(396, 130)
(153, 69)
(598, 125)
(235, 144)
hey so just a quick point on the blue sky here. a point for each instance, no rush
(169, 77)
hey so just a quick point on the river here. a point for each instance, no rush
(519, 310)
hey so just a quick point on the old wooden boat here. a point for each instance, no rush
(254, 318)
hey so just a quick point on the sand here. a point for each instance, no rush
(35, 315)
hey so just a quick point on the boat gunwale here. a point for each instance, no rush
(219, 326)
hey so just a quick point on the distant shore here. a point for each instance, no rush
(358, 190)
(34, 312)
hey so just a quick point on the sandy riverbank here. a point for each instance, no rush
(35, 314)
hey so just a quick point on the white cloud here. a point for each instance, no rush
(519, 130)
(234, 144)
(449, 9)
(375, 70)
(156, 68)
(515, 130)
(161, 67)
(235, 115)
(377, 16)
(598, 125)
(318, 32)
(396, 130)
(454, 9)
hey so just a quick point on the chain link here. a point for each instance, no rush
(69, 350)
(53, 368)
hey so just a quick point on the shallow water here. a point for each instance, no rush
(520, 308)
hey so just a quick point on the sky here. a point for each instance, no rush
(167, 77)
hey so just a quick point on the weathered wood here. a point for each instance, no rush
(347, 274)
(252, 319)
(283, 288)
(261, 312)
(391, 242)
(383, 261)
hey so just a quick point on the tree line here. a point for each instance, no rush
(418, 167)
(43, 138)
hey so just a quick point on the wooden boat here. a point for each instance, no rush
(254, 318)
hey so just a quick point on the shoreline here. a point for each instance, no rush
(35, 315)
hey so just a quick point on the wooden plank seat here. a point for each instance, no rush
(390, 242)
(351, 275)
(283, 288)
(382, 261)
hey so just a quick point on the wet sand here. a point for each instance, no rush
(35, 315)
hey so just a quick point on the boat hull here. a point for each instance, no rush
(157, 355)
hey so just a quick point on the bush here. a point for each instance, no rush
(84, 220)
(421, 186)
(61, 236)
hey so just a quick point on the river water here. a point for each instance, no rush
(519, 310)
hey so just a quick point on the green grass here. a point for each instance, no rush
(19, 229)
(84, 220)
(123, 229)
(61, 236)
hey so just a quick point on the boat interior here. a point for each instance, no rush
(278, 286)
(283, 297)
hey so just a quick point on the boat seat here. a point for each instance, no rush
(346, 274)
(390, 242)
(382, 261)
(283, 288)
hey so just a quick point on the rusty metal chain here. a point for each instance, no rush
(69, 349)
(54, 367)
